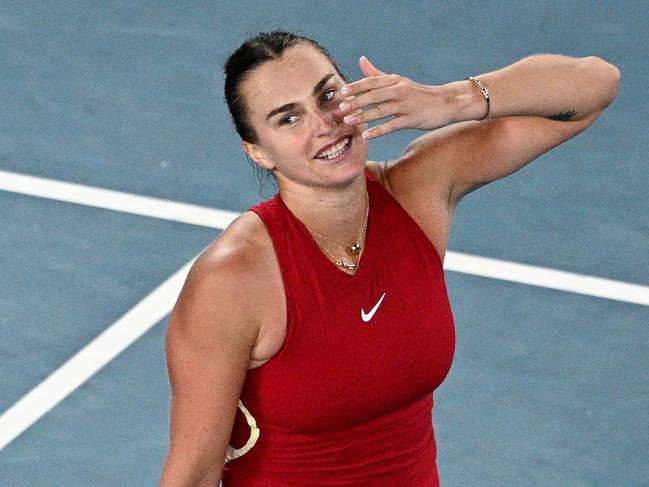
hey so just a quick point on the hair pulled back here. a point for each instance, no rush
(255, 51)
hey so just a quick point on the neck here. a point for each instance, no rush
(336, 212)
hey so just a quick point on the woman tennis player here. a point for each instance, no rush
(309, 337)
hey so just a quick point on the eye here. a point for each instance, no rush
(290, 120)
(328, 95)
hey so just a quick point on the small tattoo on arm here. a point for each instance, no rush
(564, 116)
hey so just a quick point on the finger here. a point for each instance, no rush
(396, 123)
(356, 112)
(373, 97)
(367, 68)
(371, 83)
(378, 112)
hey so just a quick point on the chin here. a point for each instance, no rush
(348, 174)
(354, 165)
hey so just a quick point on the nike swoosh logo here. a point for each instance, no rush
(367, 317)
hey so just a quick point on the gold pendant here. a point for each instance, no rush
(356, 248)
(343, 263)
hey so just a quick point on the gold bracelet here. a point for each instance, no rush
(485, 93)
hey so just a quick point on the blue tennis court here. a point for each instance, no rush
(119, 164)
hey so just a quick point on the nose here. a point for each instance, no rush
(326, 121)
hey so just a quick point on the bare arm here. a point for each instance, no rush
(536, 104)
(543, 85)
(211, 333)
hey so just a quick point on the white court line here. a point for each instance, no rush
(104, 348)
(115, 200)
(158, 303)
(545, 277)
(219, 219)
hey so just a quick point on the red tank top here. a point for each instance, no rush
(347, 400)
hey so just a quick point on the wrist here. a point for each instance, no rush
(466, 101)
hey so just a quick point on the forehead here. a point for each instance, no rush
(288, 79)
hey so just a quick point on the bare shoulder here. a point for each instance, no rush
(242, 248)
(230, 279)
(401, 177)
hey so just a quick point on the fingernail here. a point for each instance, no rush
(350, 119)
(365, 135)
(345, 90)
(344, 105)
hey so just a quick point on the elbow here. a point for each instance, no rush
(608, 75)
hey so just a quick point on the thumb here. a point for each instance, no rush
(367, 68)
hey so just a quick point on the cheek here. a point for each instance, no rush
(300, 144)
(362, 147)
(291, 146)
(297, 145)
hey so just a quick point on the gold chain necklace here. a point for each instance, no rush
(355, 248)
(342, 262)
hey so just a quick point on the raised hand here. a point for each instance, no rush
(379, 95)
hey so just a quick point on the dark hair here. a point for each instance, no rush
(255, 51)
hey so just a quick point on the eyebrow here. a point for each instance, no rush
(290, 106)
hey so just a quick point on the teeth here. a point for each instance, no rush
(334, 151)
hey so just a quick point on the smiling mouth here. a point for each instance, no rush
(335, 151)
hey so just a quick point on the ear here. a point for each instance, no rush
(257, 154)
(367, 68)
